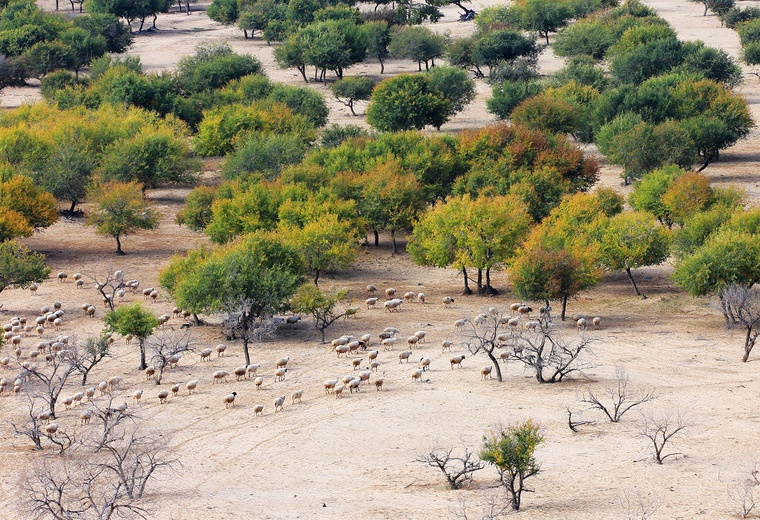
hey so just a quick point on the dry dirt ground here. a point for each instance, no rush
(330, 458)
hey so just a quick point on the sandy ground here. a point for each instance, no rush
(329, 458)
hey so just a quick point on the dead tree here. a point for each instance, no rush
(493, 504)
(573, 425)
(545, 351)
(31, 426)
(483, 336)
(744, 305)
(48, 385)
(90, 354)
(111, 422)
(745, 491)
(108, 283)
(639, 507)
(164, 346)
(457, 470)
(622, 398)
(660, 430)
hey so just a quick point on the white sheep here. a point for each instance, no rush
(292, 320)
(258, 382)
(279, 403)
(62, 277)
(365, 375)
(296, 396)
(404, 356)
(379, 383)
(347, 379)
(446, 345)
(206, 354)
(411, 341)
(596, 322)
(581, 323)
(421, 298)
(370, 302)
(67, 401)
(354, 385)
(163, 395)
(90, 393)
(342, 349)
(279, 374)
(338, 391)
(220, 375)
(485, 372)
(258, 409)
(220, 350)
(240, 372)
(459, 324)
(388, 343)
(409, 296)
(283, 362)
(374, 366)
(137, 395)
(229, 400)
(365, 339)
(422, 335)
(340, 341)
(85, 417)
(480, 319)
(532, 325)
(330, 385)
(51, 428)
(371, 289)
(103, 387)
(149, 373)
(448, 300)
(417, 375)
(356, 363)
(456, 360)
(175, 389)
(372, 354)
(251, 369)
(191, 386)
(390, 292)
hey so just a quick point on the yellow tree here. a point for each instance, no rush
(120, 210)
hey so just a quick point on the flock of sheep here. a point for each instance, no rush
(353, 348)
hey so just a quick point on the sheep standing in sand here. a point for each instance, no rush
(191, 386)
(220, 376)
(404, 356)
(229, 400)
(279, 403)
(279, 374)
(370, 302)
(581, 323)
(448, 300)
(390, 292)
(456, 360)
(330, 385)
(596, 322)
(485, 372)
(258, 409)
(421, 298)
(296, 396)
(417, 375)
(371, 290)
(446, 345)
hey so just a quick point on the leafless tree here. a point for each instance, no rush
(49, 382)
(622, 397)
(166, 344)
(660, 430)
(483, 336)
(243, 324)
(638, 506)
(31, 426)
(88, 355)
(574, 424)
(744, 491)
(457, 470)
(744, 305)
(108, 282)
(111, 421)
(545, 351)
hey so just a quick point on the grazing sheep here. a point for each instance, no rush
(91, 311)
(370, 302)
(78, 397)
(371, 290)
(229, 400)
(385, 335)
(220, 375)
(51, 428)
(350, 312)
(392, 330)
(388, 343)
(153, 296)
(485, 372)
(191, 386)
(220, 350)
(459, 324)
(596, 322)
(365, 375)
(392, 305)
(175, 389)
(251, 369)
(365, 339)
(62, 277)
(347, 379)
(330, 385)
(425, 363)
(163, 395)
(206, 354)
(44, 416)
(411, 341)
(34, 288)
(240, 372)
(85, 417)
(581, 324)
(279, 374)
(338, 391)
(342, 349)
(404, 356)
(173, 360)
(417, 375)
(57, 323)
(296, 396)
(279, 403)
(446, 345)
(456, 360)
(340, 342)
(258, 382)
(372, 354)
(258, 409)
(524, 309)
(5, 361)
(149, 373)
(292, 320)
(355, 363)
(421, 298)
(137, 395)
(374, 366)
(79, 284)
(448, 300)
(421, 335)
(532, 325)
(90, 393)
(390, 292)
(103, 387)
(409, 296)
(354, 385)
(513, 307)
(513, 323)
(114, 382)
(77, 276)
(283, 362)
(68, 401)
(379, 383)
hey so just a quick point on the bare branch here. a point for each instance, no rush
(743, 307)
(638, 506)
(621, 396)
(166, 348)
(457, 470)
(661, 429)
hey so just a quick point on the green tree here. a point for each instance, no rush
(544, 112)
(117, 35)
(631, 240)
(509, 94)
(378, 40)
(333, 45)
(224, 11)
(84, 45)
(213, 66)
(543, 16)
(350, 90)
(406, 102)
(590, 37)
(719, 7)
(309, 299)
(418, 44)
(120, 210)
(20, 267)
(44, 57)
(325, 243)
(135, 320)
(264, 154)
(455, 86)
(512, 450)
(247, 281)
(647, 193)
(497, 46)
(68, 171)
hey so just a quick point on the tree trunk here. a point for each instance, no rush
(382, 66)
(142, 22)
(480, 281)
(749, 343)
(85, 373)
(393, 239)
(705, 13)
(564, 307)
(245, 350)
(316, 276)
(547, 37)
(118, 246)
(496, 364)
(322, 330)
(633, 282)
(143, 364)
(155, 17)
(467, 289)
(377, 237)
(245, 34)
(351, 107)
(302, 70)
(73, 205)
(488, 281)
(52, 406)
